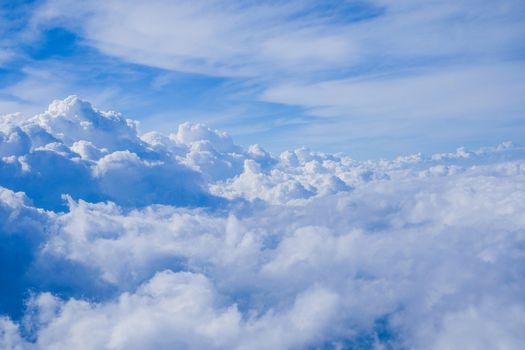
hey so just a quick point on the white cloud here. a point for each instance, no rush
(217, 38)
(303, 250)
(264, 38)
(361, 64)
(463, 93)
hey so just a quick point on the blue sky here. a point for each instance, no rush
(122, 237)
(369, 78)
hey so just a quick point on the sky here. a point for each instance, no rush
(374, 79)
(262, 175)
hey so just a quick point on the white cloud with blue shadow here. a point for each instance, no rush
(114, 239)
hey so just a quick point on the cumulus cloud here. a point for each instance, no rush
(75, 149)
(187, 240)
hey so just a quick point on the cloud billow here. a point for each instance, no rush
(115, 239)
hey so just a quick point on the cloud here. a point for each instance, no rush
(40, 159)
(22, 230)
(233, 39)
(414, 109)
(225, 38)
(474, 92)
(361, 64)
(189, 240)
(177, 309)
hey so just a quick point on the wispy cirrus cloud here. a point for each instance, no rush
(441, 104)
(217, 37)
(286, 67)
(255, 39)
(353, 61)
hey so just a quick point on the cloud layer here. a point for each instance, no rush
(120, 240)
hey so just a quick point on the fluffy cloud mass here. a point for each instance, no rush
(110, 239)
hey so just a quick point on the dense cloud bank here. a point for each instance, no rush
(111, 239)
